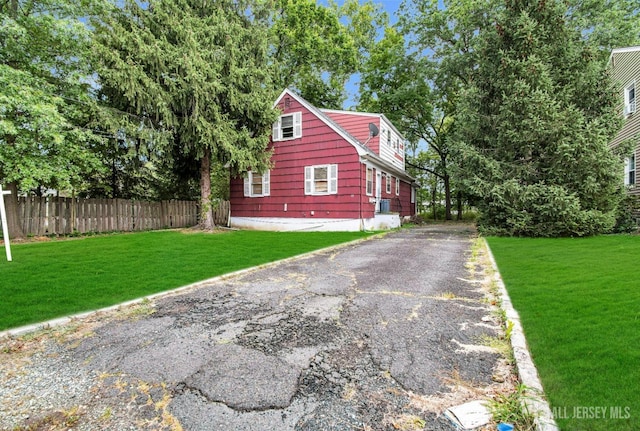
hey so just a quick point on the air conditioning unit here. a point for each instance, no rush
(630, 108)
(385, 205)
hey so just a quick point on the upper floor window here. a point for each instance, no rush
(630, 170)
(256, 185)
(321, 180)
(287, 127)
(630, 99)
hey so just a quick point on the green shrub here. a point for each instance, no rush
(626, 221)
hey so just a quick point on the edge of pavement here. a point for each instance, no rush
(60, 321)
(535, 400)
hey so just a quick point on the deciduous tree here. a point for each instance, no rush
(316, 49)
(46, 110)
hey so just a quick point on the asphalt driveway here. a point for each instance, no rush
(378, 335)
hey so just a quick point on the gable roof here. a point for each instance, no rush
(364, 152)
(364, 114)
(623, 50)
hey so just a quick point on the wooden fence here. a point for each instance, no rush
(60, 216)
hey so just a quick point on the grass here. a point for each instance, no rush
(579, 302)
(58, 278)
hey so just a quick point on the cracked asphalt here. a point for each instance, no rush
(381, 334)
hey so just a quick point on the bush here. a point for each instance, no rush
(539, 210)
(626, 220)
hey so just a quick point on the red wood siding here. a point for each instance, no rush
(319, 145)
(398, 203)
(358, 127)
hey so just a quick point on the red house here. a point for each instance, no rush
(331, 170)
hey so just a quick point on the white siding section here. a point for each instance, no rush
(391, 145)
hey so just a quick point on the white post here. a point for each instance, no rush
(5, 227)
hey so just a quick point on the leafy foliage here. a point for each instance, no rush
(45, 106)
(316, 49)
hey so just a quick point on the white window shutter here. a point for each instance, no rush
(247, 184)
(297, 124)
(266, 183)
(275, 133)
(333, 179)
(308, 180)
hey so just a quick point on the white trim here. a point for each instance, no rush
(366, 154)
(626, 49)
(310, 180)
(248, 185)
(366, 114)
(622, 50)
(630, 104)
(628, 169)
(322, 117)
(296, 126)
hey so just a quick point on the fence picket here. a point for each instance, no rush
(52, 215)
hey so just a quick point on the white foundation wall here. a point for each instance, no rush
(379, 222)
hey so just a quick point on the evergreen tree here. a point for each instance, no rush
(197, 71)
(534, 125)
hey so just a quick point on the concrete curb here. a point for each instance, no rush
(49, 324)
(524, 363)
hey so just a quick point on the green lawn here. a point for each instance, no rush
(51, 279)
(579, 302)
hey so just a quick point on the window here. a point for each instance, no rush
(413, 195)
(321, 180)
(288, 127)
(256, 185)
(630, 99)
(389, 137)
(369, 181)
(397, 187)
(387, 182)
(630, 170)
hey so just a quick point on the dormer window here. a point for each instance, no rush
(288, 127)
(630, 99)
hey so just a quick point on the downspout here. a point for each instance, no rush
(360, 197)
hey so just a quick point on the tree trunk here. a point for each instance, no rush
(459, 196)
(206, 210)
(434, 192)
(11, 205)
(447, 197)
